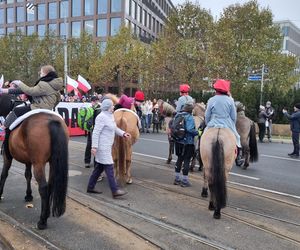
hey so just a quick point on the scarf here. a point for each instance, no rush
(47, 78)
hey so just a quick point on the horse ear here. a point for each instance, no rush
(5, 104)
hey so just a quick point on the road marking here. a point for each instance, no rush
(280, 158)
(265, 190)
(160, 158)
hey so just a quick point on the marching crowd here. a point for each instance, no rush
(220, 113)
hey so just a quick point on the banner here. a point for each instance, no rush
(69, 111)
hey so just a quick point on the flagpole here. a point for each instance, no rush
(65, 49)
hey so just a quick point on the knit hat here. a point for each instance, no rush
(106, 104)
(139, 96)
(188, 107)
(297, 105)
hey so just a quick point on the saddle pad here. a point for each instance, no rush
(30, 113)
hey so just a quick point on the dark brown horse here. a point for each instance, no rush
(246, 129)
(41, 138)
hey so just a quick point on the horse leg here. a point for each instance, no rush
(193, 162)
(44, 193)
(246, 157)
(6, 166)
(211, 205)
(128, 172)
(205, 188)
(28, 176)
(171, 150)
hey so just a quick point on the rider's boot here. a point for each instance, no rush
(239, 159)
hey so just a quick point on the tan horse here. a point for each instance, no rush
(246, 129)
(122, 148)
(218, 147)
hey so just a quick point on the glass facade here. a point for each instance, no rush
(1, 16)
(52, 10)
(20, 14)
(41, 30)
(89, 27)
(76, 29)
(30, 16)
(76, 8)
(10, 15)
(62, 29)
(102, 27)
(115, 24)
(52, 28)
(30, 30)
(116, 6)
(102, 6)
(64, 9)
(41, 12)
(88, 7)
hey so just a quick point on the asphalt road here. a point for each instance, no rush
(275, 171)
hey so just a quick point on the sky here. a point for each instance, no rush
(281, 9)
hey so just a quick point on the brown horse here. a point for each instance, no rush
(41, 138)
(217, 150)
(246, 129)
(122, 148)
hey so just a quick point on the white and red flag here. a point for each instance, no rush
(83, 84)
(1, 81)
(71, 84)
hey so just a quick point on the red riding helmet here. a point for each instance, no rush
(139, 96)
(184, 88)
(222, 86)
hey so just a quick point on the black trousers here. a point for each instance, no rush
(295, 139)
(262, 131)
(184, 154)
(87, 153)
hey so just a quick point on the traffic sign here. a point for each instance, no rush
(254, 77)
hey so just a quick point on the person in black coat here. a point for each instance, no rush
(295, 128)
(261, 122)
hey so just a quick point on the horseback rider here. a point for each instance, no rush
(221, 112)
(43, 95)
(184, 97)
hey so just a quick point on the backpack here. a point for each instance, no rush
(85, 118)
(178, 127)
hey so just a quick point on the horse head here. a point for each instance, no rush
(239, 106)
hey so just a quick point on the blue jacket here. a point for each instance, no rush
(294, 121)
(190, 131)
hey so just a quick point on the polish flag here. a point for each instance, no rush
(71, 84)
(83, 84)
(1, 81)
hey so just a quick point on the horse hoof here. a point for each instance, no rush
(191, 169)
(41, 225)
(204, 193)
(217, 215)
(211, 206)
(129, 182)
(28, 198)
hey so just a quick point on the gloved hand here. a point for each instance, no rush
(200, 131)
(16, 83)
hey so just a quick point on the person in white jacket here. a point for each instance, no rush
(102, 140)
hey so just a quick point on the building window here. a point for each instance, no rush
(30, 16)
(127, 7)
(102, 6)
(52, 10)
(102, 46)
(20, 14)
(145, 18)
(64, 9)
(88, 7)
(116, 6)
(115, 24)
(21, 29)
(2, 31)
(102, 27)
(30, 30)
(76, 8)
(10, 15)
(62, 29)
(149, 21)
(1, 16)
(89, 27)
(41, 30)
(10, 30)
(9, 1)
(52, 28)
(76, 29)
(133, 7)
(41, 12)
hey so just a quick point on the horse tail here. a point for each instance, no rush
(58, 179)
(218, 184)
(253, 144)
(122, 151)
